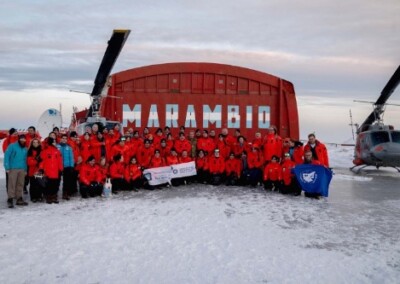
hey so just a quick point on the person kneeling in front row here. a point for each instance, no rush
(89, 179)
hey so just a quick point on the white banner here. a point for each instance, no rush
(156, 176)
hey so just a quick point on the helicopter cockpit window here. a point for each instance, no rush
(379, 137)
(395, 136)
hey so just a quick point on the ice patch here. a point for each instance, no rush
(352, 177)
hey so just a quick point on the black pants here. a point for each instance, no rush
(69, 181)
(35, 190)
(92, 190)
(202, 176)
(272, 184)
(52, 186)
(232, 179)
(254, 176)
(217, 179)
(292, 188)
(134, 184)
(118, 184)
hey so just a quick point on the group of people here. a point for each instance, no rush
(84, 163)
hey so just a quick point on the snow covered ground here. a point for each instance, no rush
(206, 234)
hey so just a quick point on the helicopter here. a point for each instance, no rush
(86, 118)
(378, 144)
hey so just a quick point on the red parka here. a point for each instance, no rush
(52, 163)
(133, 172)
(216, 165)
(286, 169)
(89, 174)
(233, 166)
(33, 163)
(117, 170)
(321, 151)
(273, 172)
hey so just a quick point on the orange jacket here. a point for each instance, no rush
(181, 145)
(185, 159)
(202, 163)
(272, 146)
(33, 163)
(86, 147)
(157, 162)
(286, 174)
(172, 160)
(216, 165)
(8, 141)
(206, 144)
(255, 160)
(89, 174)
(273, 172)
(321, 151)
(233, 166)
(144, 156)
(117, 170)
(52, 163)
(133, 172)
(238, 149)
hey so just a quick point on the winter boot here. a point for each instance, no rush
(21, 202)
(10, 203)
(55, 199)
(48, 199)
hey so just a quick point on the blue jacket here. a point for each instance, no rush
(67, 155)
(15, 157)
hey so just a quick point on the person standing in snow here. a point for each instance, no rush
(318, 150)
(52, 166)
(16, 166)
(68, 174)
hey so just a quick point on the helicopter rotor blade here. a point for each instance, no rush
(380, 102)
(389, 88)
(114, 48)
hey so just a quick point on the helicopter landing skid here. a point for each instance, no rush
(357, 171)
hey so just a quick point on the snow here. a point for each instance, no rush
(207, 234)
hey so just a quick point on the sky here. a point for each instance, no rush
(333, 52)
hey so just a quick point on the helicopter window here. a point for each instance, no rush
(379, 137)
(395, 136)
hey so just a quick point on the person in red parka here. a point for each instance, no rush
(86, 146)
(202, 168)
(289, 181)
(145, 154)
(90, 179)
(206, 143)
(295, 149)
(33, 161)
(121, 148)
(157, 161)
(273, 174)
(52, 166)
(224, 149)
(133, 175)
(104, 170)
(272, 145)
(319, 151)
(216, 167)
(241, 146)
(232, 170)
(255, 163)
(117, 174)
(182, 144)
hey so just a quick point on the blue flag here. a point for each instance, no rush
(313, 178)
